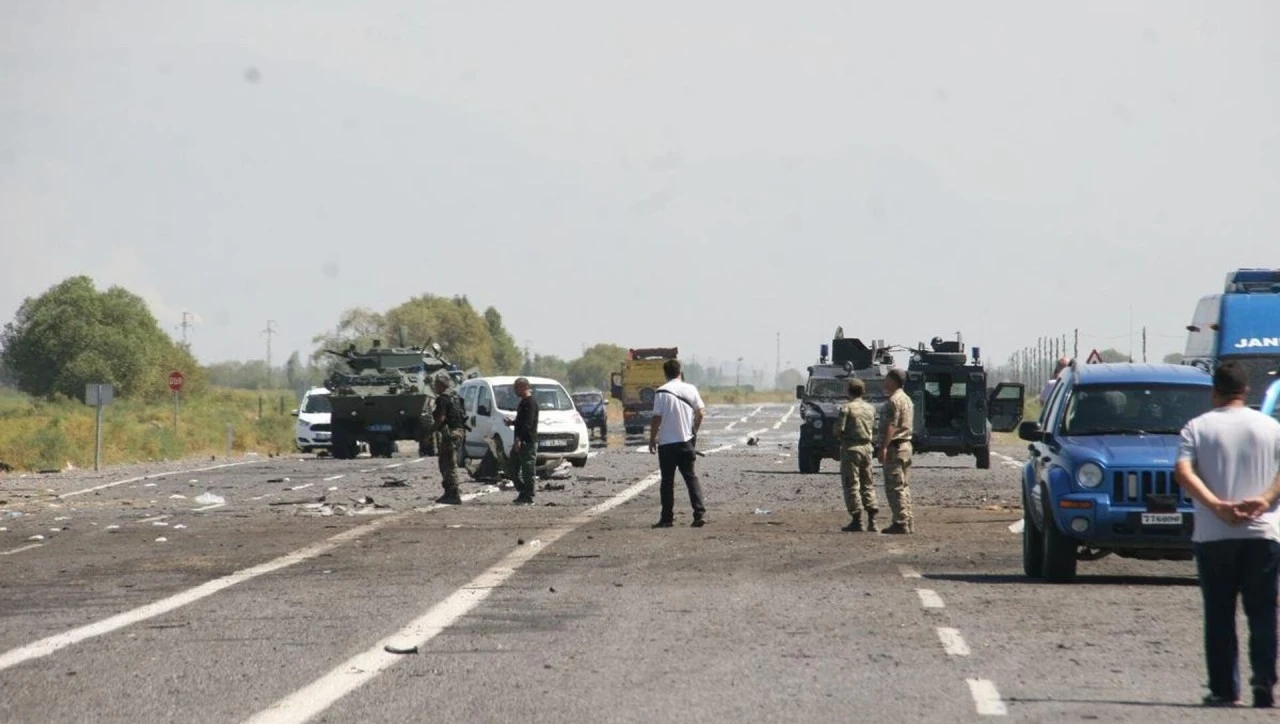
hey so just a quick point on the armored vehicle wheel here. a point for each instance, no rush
(1058, 564)
(810, 461)
(1032, 543)
(342, 447)
(983, 454)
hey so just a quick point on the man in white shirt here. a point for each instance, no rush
(1229, 463)
(677, 415)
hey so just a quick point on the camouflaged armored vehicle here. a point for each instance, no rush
(955, 413)
(384, 395)
(828, 390)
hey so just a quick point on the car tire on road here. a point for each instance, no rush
(1058, 564)
(1032, 542)
(578, 462)
(983, 454)
(810, 461)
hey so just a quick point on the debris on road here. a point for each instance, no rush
(762, 511)
(36, 538)
(552, 589)
(210, 499)
(363, 500)
(753, 441)
(551, 486)
(400, 650)
(395, 483)
(591, 478)
(160, 524)
(277, 480)
(583, 555)
(113, 527)
(162, 539)
(177, 496)
(179, 527)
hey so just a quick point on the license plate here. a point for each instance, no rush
(1162, 518)
(322, 436)
(379, 428)
(551, 443)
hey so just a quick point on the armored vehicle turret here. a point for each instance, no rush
(827, 390)
(385, 394)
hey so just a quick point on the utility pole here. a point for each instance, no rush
(270, 330)
(1144, 343)
(737, 383)
(777, 365)
(186, 324)
(1075, 346)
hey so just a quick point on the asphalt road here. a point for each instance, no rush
(146, 600)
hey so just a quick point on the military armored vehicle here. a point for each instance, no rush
(955, 413)
(827, 390)
(384, 395)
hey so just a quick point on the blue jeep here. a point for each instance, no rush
(1100, 475)
(594, 408)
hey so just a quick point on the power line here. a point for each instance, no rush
(270, 330)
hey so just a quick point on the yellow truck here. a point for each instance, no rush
(635, 384)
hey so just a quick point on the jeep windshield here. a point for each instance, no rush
(587, 398)
(548, 397)
(1133, 409)
(828, 387)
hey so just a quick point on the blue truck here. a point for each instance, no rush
(1099, 474)
(1241, 324)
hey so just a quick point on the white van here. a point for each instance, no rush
(312, 429)
(491, 402)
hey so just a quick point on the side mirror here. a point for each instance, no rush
(483, 410)
(799, 392)
(1029, 430)
(293, 412)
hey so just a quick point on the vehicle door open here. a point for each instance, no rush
(1004, 406)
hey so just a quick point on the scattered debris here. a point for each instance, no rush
(552, 589)
(61, 518)
(179, 527)
(177, 496)
(363, 500)
(762, 511)
(552, 486)
(162, 539)
(113, 527)
(453, 526)
(193, 480)
(48, 471)
(753, 441)
(160, 524)
(584, 555)
(535, 543)
(519, 541)
(591, 478)
(36, 538)
(400, 650)
(207, 498)
(395, 483)
(148, 485)
(13, 513)
(277, 480)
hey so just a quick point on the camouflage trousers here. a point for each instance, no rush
(524, 463)
(897, 469)
(856, 480)
(447, 456)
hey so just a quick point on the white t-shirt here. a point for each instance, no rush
(677, 417)
(1046, 391)
(1236, 452)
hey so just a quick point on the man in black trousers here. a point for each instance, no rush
(677, 415)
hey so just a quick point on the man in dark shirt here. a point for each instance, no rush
(524, 446)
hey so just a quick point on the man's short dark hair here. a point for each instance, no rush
(856, 388)
(898, 376)
(671, 368)
(1230, 380)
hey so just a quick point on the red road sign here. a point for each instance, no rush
(175, 380)
(1094, 358)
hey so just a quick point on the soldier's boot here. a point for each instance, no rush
(450, 497)
(855, 525)
(897, 529)
(871, 521)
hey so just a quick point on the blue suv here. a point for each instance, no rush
(1100, 475)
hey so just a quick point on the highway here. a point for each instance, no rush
(269, 590)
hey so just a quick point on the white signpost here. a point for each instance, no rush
(98, 396)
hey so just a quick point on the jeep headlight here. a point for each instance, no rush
(1089, 475)
(817, 423)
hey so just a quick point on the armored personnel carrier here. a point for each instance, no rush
(827, 390)
(955, 413)
(384, 395)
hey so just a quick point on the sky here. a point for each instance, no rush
(707, 174)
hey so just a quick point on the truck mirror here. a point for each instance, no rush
(1029, 430)
(799, 392)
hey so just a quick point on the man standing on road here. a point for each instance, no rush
(673, 432)
(524, 446)
(895, 451)
(1229, 462)
(854, 429)
(1045, 391)
(451, 423)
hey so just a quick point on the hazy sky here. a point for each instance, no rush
(703, 173)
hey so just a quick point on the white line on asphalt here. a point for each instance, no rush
(393, 465)
(335, 477)
(929, 598)
(416, 460)
(952, 642)
(21, 549)
(313, 699)
(104, 486)
(50, 644)
(908, 572)
(209, 507)
(1017, 527)
(785, 417)
(300, 487)
(986, 698)
(153, 519)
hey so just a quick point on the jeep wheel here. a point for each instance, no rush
(810, 461)
(983, 454)
(604, 431)
(1058, 564)
(1032, 542)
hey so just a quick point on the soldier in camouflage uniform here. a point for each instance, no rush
(854, 428)
(895, 453)
(450, 421)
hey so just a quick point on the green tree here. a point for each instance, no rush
(548, 365)
(507, 357)
(593, 368)
(293, 372)
(1113, 355)
(359, 326)
(1173, 358)
(788, 379)
(73, 335)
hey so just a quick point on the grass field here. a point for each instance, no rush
(38, 434)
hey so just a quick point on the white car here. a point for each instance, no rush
(491, 402)
(312, 430)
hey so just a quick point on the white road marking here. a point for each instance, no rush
(908, 572)
(929, 598)
(1017, 527)
(986, 699)
(208, 507)
(20, 549)
(153, 519)
(50, 644)
(300, 487)
(335, 477)
(313, 699)
(754, 433)
(785, 417)
(952, 642)
(393, 465)
(104, 486)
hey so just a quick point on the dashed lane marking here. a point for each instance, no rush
(153, 519)
(391, 466)
(930, 598)
(785, 417)
(20, 549)
(908, 572)
(50, 644)
(335, 477)
(986, 699)
(104, 486)
(952, 642)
